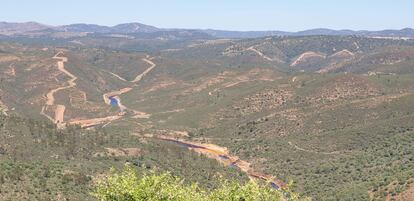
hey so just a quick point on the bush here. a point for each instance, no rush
(126, 186)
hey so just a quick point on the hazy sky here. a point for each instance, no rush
(286, 15)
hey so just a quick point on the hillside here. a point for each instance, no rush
(35, 29)
(39, 162)
(333, 114)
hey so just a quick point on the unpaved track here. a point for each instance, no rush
(127, 89)
(115, 95)
(50, 99)
(140, 76)
(117, 76)
(222, 155)
(305, 56)
(84, 123)
(71, 82)
(259, 53)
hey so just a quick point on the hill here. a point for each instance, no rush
(331, 113)
(20, 28)
(39, 162)
(135, 27)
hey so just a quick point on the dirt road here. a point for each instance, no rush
(259, 53)
(50, 99)
(117, 76)
(140, 76)
(304, 56)
(116, 95)
(85, 123)
(222, 155)
(127, 89)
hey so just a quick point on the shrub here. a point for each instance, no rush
(127, 186)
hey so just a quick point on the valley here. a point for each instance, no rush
(328, 117)
(210, 150)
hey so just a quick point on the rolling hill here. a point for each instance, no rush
(331, 113)
(29, 28)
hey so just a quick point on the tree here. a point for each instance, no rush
(127, 186)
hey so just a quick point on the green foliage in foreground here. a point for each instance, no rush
(126, 186)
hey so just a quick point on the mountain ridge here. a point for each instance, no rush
(11, 28)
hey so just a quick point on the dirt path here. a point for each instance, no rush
(117, 76)
(222, 155)
(50, 99)
(140, 76)
(127, 89)
(85, 123)
(116, 95)
(259, 53)
(305, 56)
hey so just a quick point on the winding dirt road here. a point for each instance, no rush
(71, 82)
(222, 155)
(136, 80)
(58, 118)
(50, 99)
(116, 95)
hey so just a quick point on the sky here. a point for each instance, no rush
(241, 15)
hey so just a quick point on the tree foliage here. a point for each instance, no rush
(127, 186)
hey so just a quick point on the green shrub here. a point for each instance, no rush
(126, 186)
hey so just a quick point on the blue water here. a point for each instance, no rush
(113, 100)
(275, 186)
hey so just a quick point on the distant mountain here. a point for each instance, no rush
(243, 34)
(329, 32)
(132, 28)
(12, 28)
(120, 28)
(93, 28)
(407, 32)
